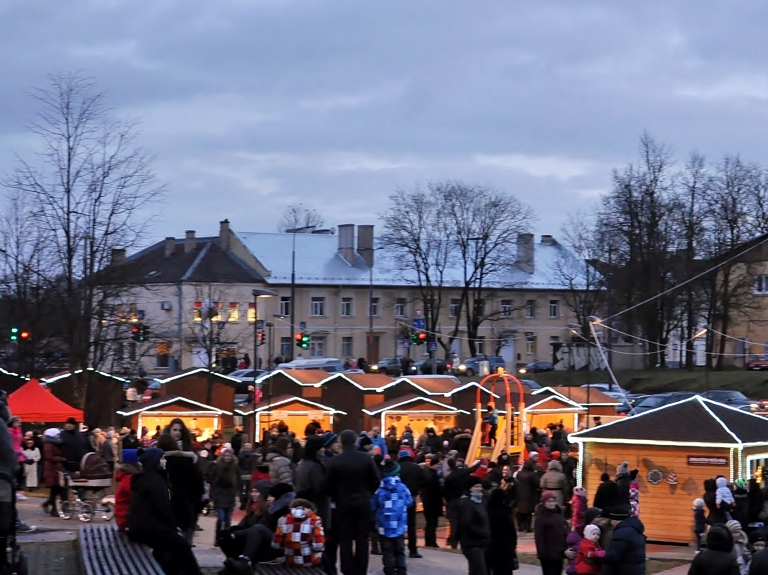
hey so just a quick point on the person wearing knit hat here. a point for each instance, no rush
(550, 530)
(152, 458)
(473, 529)
(129, 466)
(740, 541)
(626, 553)
(389, 468)
(405, 453)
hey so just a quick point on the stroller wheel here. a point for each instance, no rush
(86, 513)
(65, 511)
(108, 512)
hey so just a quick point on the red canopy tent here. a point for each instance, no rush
(33, 402)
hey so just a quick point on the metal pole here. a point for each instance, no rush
(602, 353)
(370, 313)
(255, 363)
(293, 293)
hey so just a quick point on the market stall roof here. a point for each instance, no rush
(586, 396)
(277, 403)
(541, 396)
(401, 402)
(166, 400)
(66, 374)
(693, 421)
(363, 381)
(305, 377)
(473, 385)
(431, 384)
(32, 402)
(195, 371)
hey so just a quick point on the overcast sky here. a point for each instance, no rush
(251, 105)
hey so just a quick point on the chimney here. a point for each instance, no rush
(347, 242)
(525, 253)
(548, 240)
(365, 243)
(170, 246)
(190, 243)
(118, 257)
(224, 234)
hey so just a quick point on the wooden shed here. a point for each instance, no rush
(107, 394)
(414, 410)
(596, 403)
(424, 385)
(546, 406)
(201, 419)
(299, 382)
(675, 448)
(351, 393)
(296, 412)
(204, 387)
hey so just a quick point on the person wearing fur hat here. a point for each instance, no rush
(150, 519)
(550, 530)
(554, 480)
(125, 472)
(473, 529)
(391, 503)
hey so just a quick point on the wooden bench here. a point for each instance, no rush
(283, 569)
(104, 550)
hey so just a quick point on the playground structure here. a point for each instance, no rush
(511, 422)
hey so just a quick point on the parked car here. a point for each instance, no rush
(606, 387)
(537, 367)
(661, 399)
(757, 363)
(733, 398)
(329, 364)
(530, 384)
(471, 366)
(387, 365)
(430, 367)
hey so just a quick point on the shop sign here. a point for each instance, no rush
(709, 460)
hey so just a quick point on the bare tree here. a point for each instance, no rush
(90, 186)
(300, 218)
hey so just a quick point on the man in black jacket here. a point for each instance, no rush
(412, 475)
(351, 479)
(74, 445)
(473, 528)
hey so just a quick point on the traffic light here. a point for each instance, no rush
(261, 338)
(135, 333)
(143, 332)
(302, 340)
(414, 338)
(422, 337)
(24, 335)
(14, 334)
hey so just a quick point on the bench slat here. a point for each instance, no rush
(105, 550)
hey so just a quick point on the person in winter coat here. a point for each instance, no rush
(607, 494)
(74, 445)
(225, 484)
(279, 460)
(627, 550)
(150, 518)
(501, 552)
(53, 464)
(757, 566)
(574, 539)
(755, 501)
(578, 509)
(185, 480)
(555, 481)
(723, 495)
(590, 552)
(310, 478)
(699, 521)
(716, 515)
(740, 551)
(125, 472)
(31, 458)
(740, 511)
(431, 500)
(527, 496)
(473, 529)
(413, 477)
(453, 489)
(717, 558)
(550, 530)
(623, 480)
(300, 535)
(390, 505)
(461, 443)
(434, 441)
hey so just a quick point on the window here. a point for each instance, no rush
(286, 345)
(479, 308)
(761, 284)
(480, 346)
(507, 308)
(400, 307)
(234, 312)
(132, 351)
(374, 304)
(120, 312)
(347, 309)
(554, 308)
(530, 346)
(285, 305)
(317, 306)
(530, 308)
(317, 347)
(347, 349)
(197, 311)
(251, 312)
(133, 310)
(454, 307)
(162, 355)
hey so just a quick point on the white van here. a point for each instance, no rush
(329, 364)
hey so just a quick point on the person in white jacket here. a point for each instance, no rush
(31, 457)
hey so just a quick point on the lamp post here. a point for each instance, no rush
(294, 231)
(257, 293)
(270, 343)
(592, 321)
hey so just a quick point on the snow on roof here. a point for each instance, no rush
(318, 262)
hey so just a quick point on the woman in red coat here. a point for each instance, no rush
(127, 469)
(53, 458)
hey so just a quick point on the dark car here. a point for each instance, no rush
(387, 365)
(430, 367)
(661, 399)
(733, 398)
(472, 365)
(530, 384)
(537, 367)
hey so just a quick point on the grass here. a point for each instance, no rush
(651, 565)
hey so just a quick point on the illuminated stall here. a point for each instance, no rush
(296, 412)
(414, 410)
(202, 420)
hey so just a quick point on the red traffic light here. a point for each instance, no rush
(422, 336)
(298, 336)
(24, 335)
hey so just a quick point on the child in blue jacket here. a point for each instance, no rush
(390, 504)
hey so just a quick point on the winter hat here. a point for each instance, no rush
(580, 491)
(555, 455)
(130, 456)
(591, 514)
(125, 431)
(621, 512)
(365, 441)
(390, 468)
(406, 453)
(547, 495)
(283, 443)
(698, 502)
(623, 469)
(298, 502)
(151, 457)
(71, 421)
(721, 482)
(329, 438)
(740, 484)
(314, 444)
(758, 535)
(51, 433)
(733, 526)
(445, 443)
(590, 531)
(554, 466)
(280, 489)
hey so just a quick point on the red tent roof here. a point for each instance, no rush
(33, 402)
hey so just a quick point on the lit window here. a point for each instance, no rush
(317, 307)
(134, 312)
(554, 308)
(198, 311)
(251, 312)
(216, 311)
(530, 346)
(346, 307)
(234, 312)
(162, 354)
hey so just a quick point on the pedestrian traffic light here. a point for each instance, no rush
(302, 340)
(14, 334)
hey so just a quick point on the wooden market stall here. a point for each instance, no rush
(202, 420)
(545, 406)
(675, 448)
(465, 399)
(597, 404)
(351, 393)
(108, 394)
(204, 387)
(296, 412)
(412, 409)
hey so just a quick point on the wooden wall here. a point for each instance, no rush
(665, 509)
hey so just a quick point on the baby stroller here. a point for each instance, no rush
(93, 478)
(13, 561)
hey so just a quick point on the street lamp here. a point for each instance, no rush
(574, 327)
(592, 319)
(295, 231)
(703, 332)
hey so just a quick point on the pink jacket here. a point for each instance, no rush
(17, 437)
